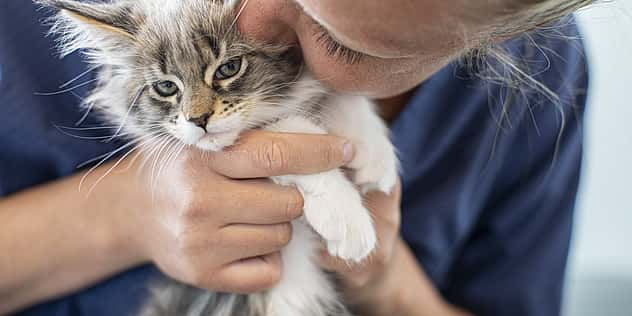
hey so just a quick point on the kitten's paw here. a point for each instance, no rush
(343, 222)
(376, 170)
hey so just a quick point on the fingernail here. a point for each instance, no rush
(348, 151)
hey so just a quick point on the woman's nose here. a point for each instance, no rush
(270, 21)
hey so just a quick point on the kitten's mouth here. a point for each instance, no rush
(216, 141)
(214, 137)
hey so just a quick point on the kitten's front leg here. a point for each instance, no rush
(375, 164)
(333, 205)
(334, 209)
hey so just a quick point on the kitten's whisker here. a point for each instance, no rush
(129, 111)
(155, 170)
(87, 112)
(107, 157)
(242, 7)
(89, 128)
(45, 94)
(69, 82)
(174, 143)
(81, 137)
(116, 164)
(152, 150)
(155, 163)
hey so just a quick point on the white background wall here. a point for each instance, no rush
(600, 274)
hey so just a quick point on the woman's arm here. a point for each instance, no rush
(55, 240)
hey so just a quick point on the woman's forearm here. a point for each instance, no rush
(55, 239)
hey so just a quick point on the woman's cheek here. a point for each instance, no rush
(363, 77)
(373, 77)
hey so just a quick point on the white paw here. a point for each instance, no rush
(375, 170)
(339, 217)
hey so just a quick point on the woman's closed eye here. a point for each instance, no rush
(336, 49)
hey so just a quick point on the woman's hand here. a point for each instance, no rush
(209, 222)
(390, 282)
(201, 220)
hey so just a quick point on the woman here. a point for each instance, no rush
(489, 172)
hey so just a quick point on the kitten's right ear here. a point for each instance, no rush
(93, 25)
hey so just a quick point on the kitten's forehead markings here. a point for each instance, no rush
(209, 74)
(162, 58)
(215, 45)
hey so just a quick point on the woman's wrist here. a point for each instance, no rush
(114, 200)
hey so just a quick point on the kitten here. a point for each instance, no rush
(181, 69)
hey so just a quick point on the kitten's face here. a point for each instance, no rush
(185, 69)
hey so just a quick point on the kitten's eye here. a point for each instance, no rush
(166, 88)
(229, 69)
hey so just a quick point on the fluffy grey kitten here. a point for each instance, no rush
(179, 69)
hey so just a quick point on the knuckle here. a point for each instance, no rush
(272, 156)
(194, 206)
(190, 213)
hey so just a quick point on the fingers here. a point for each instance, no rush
(249, 255)
(260, 203)
(250, 275)
(246, 241)
(263, 154)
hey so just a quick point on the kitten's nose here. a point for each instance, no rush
(200, 121)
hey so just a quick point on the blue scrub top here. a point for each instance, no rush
(487, 197)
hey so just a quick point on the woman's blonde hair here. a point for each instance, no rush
(520, 16)
(489, 57)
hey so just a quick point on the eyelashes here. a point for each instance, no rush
(335, 49)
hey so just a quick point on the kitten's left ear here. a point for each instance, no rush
(91, 25)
